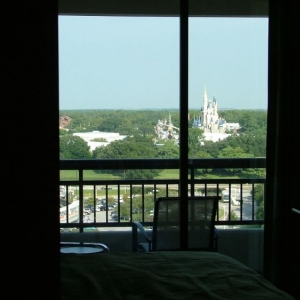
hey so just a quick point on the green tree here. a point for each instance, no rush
(202, 154)
(230, 152)
(103, 140)
(233, 215)
(131, 147)
(136, 190)
(63, 132)
(168, 150)
(254, 144)
(212, 148)
(237, 152)
(73, 147)
(259, 201)
(194, 139)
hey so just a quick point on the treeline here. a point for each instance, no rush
(249, 142)
(125, 122)
(128, 122)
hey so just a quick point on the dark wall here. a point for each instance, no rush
(282, 226)
(29, 189)
(30, 146)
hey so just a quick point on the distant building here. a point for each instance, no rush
(64, 121)
(90, 137)
(165, 130)
(209, 119)
(214, 127)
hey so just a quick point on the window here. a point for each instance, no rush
(125, 62)
(128, 67)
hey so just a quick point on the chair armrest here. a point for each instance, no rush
(99, 245)
(142, 230)
(135, 226)
(216, 233)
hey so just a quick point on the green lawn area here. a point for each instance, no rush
(168, 174)
(164, 174)
(88, 174)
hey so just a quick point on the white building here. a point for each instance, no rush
(214, 136)
(90, 137)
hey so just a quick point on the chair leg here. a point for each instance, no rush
(134, 239)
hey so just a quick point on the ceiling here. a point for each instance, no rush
(204, 8)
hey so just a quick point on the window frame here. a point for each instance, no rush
(183, 10)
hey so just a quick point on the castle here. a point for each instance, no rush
(215, 128)
(209, 119)
(166, 130)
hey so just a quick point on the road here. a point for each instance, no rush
(247, 207)
(100, 216)
(246, 213)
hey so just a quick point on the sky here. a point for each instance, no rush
(133, 62)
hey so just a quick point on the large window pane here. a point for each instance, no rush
(228, 64)
(124, 69)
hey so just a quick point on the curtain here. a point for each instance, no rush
(282, 226)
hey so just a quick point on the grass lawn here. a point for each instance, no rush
(164, 174)
(88, 174)
(168, 174)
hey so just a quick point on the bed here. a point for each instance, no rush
(162, 275)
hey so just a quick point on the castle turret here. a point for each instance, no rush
(205, 99)
(215, 105)
(205, 106)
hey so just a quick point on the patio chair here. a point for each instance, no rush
(165, 234)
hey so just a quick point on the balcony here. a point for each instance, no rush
(101, 210)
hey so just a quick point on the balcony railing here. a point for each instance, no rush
(90, 202)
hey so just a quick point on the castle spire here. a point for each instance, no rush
(205, 99)
(205, 93)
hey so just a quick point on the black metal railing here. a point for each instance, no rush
(91, 201)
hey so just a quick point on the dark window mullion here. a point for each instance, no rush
(183, 111)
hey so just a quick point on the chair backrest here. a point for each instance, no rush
(201, 223)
